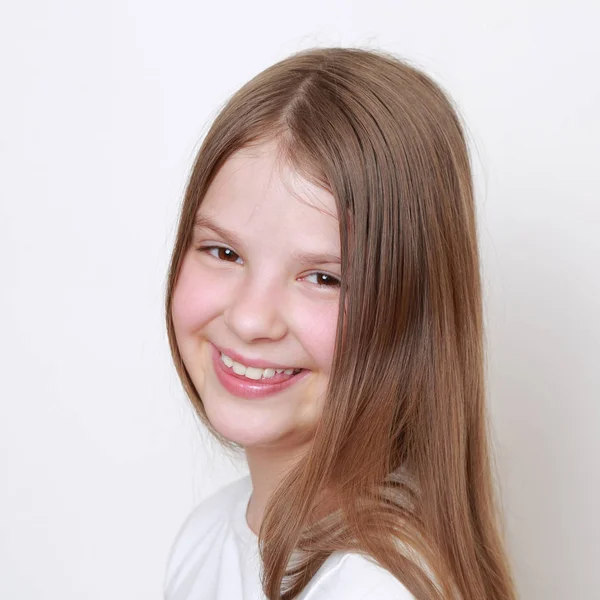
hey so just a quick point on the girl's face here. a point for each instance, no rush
(260, 286)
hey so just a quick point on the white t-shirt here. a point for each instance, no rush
(215, 556)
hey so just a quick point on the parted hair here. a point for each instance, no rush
(401, 465)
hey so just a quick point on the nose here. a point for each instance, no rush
(255, 311)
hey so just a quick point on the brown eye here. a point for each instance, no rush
(325, 280)
(222, 253)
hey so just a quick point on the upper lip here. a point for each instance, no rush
(252, 362)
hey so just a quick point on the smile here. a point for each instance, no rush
(253, 382)
(255, 373)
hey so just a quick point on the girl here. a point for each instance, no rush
(324, 315)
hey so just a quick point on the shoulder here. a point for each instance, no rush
(204, 523)
(354, 576)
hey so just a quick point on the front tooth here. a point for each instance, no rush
(228, 361)
(253, 372)
(238, 368)
(268, 373)
(278, 371)
(288, 371)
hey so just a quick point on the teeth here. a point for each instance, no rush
(238, 368)
(253, 372)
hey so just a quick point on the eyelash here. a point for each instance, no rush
(206, 249)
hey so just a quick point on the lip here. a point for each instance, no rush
(243, 387)
(250, 362)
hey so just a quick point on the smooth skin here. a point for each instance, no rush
(247, 284)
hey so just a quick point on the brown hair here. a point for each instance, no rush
(403, 439)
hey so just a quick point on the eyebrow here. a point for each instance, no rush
(204, 222)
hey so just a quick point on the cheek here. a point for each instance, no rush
(197, 298)
(317, 332)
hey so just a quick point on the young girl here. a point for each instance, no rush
(325, 317)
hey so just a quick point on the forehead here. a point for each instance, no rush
(256, 191)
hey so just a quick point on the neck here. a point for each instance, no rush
(267, 469)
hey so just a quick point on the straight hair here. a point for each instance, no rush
(400, 466)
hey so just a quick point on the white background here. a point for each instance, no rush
(102, 107)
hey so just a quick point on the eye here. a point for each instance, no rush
(221, 253)
(325, 280)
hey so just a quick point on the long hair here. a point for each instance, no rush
(403, 444)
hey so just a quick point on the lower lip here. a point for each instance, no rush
(248, 388)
